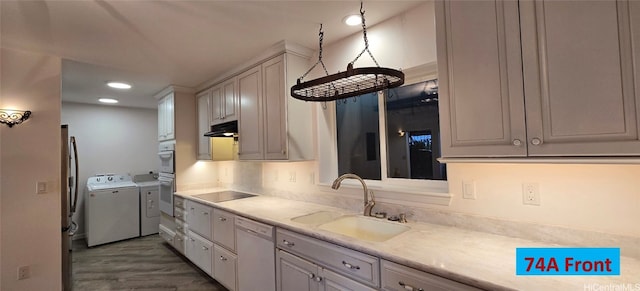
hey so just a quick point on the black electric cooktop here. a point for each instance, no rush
(223, 196)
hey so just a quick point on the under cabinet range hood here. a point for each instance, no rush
(227, 129)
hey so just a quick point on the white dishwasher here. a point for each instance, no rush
(254, 243)
(112, 209)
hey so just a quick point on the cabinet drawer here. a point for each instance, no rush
(358, 266)
(397, 277)
(200, 252)
(178, 202)
(166, 234)
(199, 219)
(181, 227)
(179, 242)
(179, 214)
(224, 231)
(224, 267)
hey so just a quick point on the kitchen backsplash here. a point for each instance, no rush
(294, 181)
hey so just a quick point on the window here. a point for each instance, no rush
(349, 140)
(410, 134)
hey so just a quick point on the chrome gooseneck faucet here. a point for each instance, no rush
(369, 200)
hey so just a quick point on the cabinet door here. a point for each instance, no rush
(216, 106)
(169, 126)
(161, 122)
(295, 274)
(224, 267)
(480, 78)
(250, 125)
(200, 252)
(275, 109)
(204, 146)
(230, 100)
(199, 219)
(579, 77)
(224, 230)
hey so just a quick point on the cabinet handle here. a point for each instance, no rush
(205, 213)
(222, 218)
(536, 141)
(517, 142)
(350, 266)
(205, 248)
(318, 279)
(192, 239)
(409, 287)
(288, 243)
(223, 258)
(193, 208)
(311, 275)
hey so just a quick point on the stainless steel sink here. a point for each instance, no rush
(365, 228)
(316, 218)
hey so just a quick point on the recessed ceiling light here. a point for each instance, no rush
(119, 85)
(108, 100)
(352, 20)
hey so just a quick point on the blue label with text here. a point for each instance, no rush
(567, 261)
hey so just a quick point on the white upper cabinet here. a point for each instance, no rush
(579, 77)
(250, 125)
(566, 67)
(166, 117)
(224, 102)
(203, 101)
(272, 124)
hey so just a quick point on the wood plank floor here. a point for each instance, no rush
(145, 263)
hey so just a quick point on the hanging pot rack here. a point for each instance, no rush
(350, 83)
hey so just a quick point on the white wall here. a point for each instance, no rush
(111, 139)
(30, 152)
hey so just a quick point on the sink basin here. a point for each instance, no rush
(316, 218)
(365, 228)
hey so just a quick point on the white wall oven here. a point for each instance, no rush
(167, 176)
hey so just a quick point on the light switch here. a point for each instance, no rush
(41, 188)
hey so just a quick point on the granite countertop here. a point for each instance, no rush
(479, 259)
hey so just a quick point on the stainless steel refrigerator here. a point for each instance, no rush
(69, 199)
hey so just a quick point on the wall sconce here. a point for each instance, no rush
(11, 117)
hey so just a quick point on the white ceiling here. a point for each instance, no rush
(152, 44)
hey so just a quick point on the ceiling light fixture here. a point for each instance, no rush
(108, 100)
(352, 20)
(119, 85)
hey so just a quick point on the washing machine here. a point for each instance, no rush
(112, 209)
(149, 207)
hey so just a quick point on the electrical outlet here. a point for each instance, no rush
(24, 272)
(292, 176)
(531, 194)
(312, 178)
(469, 189)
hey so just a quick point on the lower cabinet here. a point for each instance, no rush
(297, 274)
(397, 277)
(200, 252)
(225, 264)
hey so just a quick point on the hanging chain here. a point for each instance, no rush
(366, 40)
(321, 38)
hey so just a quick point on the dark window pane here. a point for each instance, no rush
(358, 131)
(413, 132)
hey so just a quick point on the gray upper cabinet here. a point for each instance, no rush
(566, 67)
